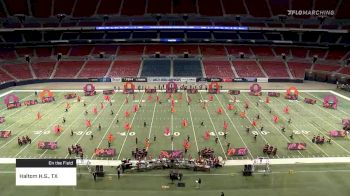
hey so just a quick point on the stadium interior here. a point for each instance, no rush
(247, 49)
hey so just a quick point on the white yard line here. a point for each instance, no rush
(84, 132)
(49, 127)
(303, 134)
(321, 131)
(76, 119)
(23, 118)
(30, 123)
(194, 132)
(216, 133)
(172, 131)
(126, 137)
(8, 92)
(273, 125)
(110, 125)
(234, 126)
(150, 129)
(326, 110)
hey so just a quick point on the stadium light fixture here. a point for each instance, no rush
(241, 55)
(238, 18)
(59, 56)
(60, 17)
(185, 17)
(105, 18)
(20, 17)
(27, 58)
(158, 17)
(283, 56)
(321, 19)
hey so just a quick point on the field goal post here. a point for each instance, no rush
(262, 165)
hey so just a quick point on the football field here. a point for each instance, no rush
(306, 121)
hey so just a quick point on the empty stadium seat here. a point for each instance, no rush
(212, 50)
(125, 68)
(43, 69)
(94, 69)
(80, 50)
(163, 49)
(247, 69)
(345, 70)
(20, 71)
(4, 77)
(297, 69)
(130, 50)
(326, 67)
(184, 6)
(180, 49)
(218, 69)
(234, 7)
(109, 7)
(43, 52)
(156, 67)
(68, 69)
(187, 68)
(235, 50)
(159, 6)
(274, 69)
(210, 8)
(7, 53)
(262, 51)
(130, 9)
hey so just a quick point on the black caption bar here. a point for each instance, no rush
(46, 163)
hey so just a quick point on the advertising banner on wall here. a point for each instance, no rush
(262, 79)
(116, 79)
(133, 79)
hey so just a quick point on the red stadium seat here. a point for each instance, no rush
(43, 52)
(247, 69)
(210, 8)
(210, 50)
(262, 10)
(85, 8)
(326, 67)
(109, 7)
(80, 50)
(95, 69)
(130, 9)
(63, 6)
(274, 69)
(262, 51)
(125, 68)
(345, 70)
(20, 71)
(37, 5)
(43, 69)
(163, 49)
(4, 77)
(130, 50)
(297, 69)
(299, 52)
(68, 69)
(108, 49)
(218, 69)
(17, 7)
(180, 49)
(184, 6)
(234, 7)
(235, 50)
(159, 6)
(7, 54)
